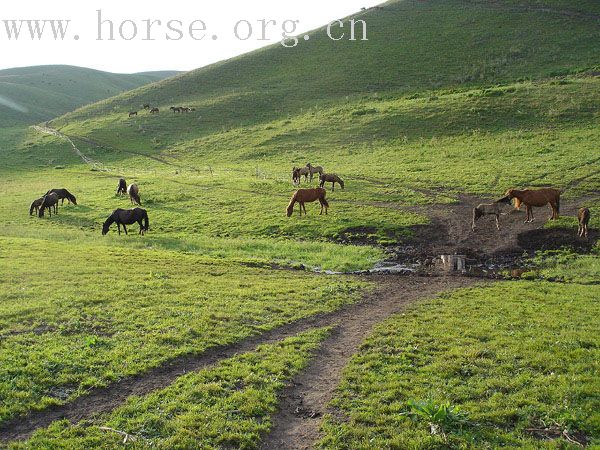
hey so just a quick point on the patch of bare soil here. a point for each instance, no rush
(355, 321)
(450, 233)
(303, 403)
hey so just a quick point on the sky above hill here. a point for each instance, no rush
(137, 36)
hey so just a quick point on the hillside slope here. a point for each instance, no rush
(413, 46)
(34, 94)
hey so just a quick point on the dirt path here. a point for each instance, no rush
(304, 401)
(355, 321)
(47, 130)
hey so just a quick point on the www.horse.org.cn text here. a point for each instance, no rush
(108, 29)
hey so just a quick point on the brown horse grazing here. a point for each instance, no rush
(134, 194)
(312, 170)
(175, 109)
(537, 198)
(49, 201)
(584, 219)
(127, 217)
(331, 178)
(122, 187)
(303, 196)
(62, 195)
(133, 113)
(36, 206)
(146, 106)
(154, 111)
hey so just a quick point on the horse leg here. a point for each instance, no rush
(333, 187)
(498, 221)
(125, 228)
(119, 228)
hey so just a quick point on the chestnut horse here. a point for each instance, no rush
(307, 196)
(537, 198)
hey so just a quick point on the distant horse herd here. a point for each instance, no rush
(530, 198)
(155, 110)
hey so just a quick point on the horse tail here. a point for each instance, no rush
(146, 221)
(324, 200)
(341, 183)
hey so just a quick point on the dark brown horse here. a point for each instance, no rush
(584, 219)
(146, 106)
(134, 194)
(298, 173)
(127, 217)
(303, 196)
(49, 201)
(35, 206)
(331, 178)
(154, 111)
(132, 114)
(122, 187)
(62, 195)
(537, 198)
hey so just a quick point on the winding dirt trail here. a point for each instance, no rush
(47, 130)
(352, 322)
(303, 403)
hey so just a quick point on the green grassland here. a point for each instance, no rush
(228, 406)
(44, 92)
(507, 358)
(76, 315)
(446, 97)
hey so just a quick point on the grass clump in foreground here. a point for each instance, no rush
(74, 316)
(228, 406)
(484, 367)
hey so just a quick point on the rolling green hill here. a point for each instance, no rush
(447, 98)
(33, 94)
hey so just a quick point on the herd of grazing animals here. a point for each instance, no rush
(529, 198)
(155, 110)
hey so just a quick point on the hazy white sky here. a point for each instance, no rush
(138, 54)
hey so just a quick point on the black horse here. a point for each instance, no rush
(122, 188)
(127, 217)
(62, 195)
(49, 201)
(35, 206)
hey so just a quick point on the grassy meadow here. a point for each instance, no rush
(228, 406)
(446, 98)
(511, 365)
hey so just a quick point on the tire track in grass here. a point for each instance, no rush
(302, 404)
(353, 323)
